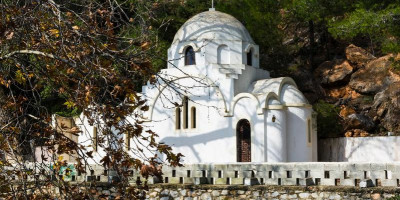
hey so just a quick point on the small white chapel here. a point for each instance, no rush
(214, 104)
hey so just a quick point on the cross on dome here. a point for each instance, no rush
(212, 6)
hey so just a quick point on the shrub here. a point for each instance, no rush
(329, 122)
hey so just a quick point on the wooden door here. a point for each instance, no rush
(243, 135)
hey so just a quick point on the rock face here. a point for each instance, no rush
(387, 107)
(364, 89)
(358, 56)
(373, 77)
(357, 121)
(333, 72)
(346, 111)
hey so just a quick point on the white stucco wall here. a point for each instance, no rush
(86, 139)
(298, 148)
(360, 149)
(246, 108)
(248, 76)
(209, 140)
(275, 136)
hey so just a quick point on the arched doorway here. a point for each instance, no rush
(243, 141)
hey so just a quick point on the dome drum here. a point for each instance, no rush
(216, 38)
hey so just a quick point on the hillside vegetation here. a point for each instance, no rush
(342, 54)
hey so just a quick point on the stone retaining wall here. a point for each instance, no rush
(285, 174)
(256, 181)
(226, 192)
(300, 174)
(204, 192)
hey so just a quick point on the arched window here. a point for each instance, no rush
(128, 141)
(178, 118)
(190, 57)
(185, 112)
(250, 57)
(95, 138)
(193, 115)
(243, 141)
(309, 132)
(223, 56)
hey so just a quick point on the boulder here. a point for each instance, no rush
(349, 134)
(331, 72)
(364, 134)
(346, 111)
(360, 133)
(362, 102)
(394, 77)
(387, 107)
(380, 105)
(344, 92)
(373, 78)
(359, 121)
(358, 56)
(356, 133)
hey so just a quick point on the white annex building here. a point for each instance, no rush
(214, 104)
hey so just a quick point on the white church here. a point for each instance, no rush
(215, 105)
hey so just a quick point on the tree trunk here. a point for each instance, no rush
(312, 42)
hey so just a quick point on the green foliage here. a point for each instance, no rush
(379, 22)
(255, 14)
(306, 9)
(328, 119)
(368, 99)
(165, 20)
(396, 197)
(395, 66)
(169, 16)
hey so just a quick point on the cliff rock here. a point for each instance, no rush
(333, 72)
(373, 77)
(364, 91)
(387, 107)
(358, 56)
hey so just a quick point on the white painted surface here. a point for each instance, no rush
(246, 108)
(212, 25)
(86, 138)
(276, 135)
(360, 149)
(297, 144)
(223, 54)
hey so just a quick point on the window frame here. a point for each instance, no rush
(249, 57)
(185, 120)
(309, 132)
(190, 56)
(193, 115)
(95, 137)
(178, 116)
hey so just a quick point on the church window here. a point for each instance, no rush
(178, 118)
(309, 131)
(190, 56)
(223, 54)
(185, 112)
(193, 115)
(243, 141)
(95, 138)
(128, 141)
(250, 58)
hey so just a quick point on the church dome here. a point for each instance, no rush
(212, 25)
